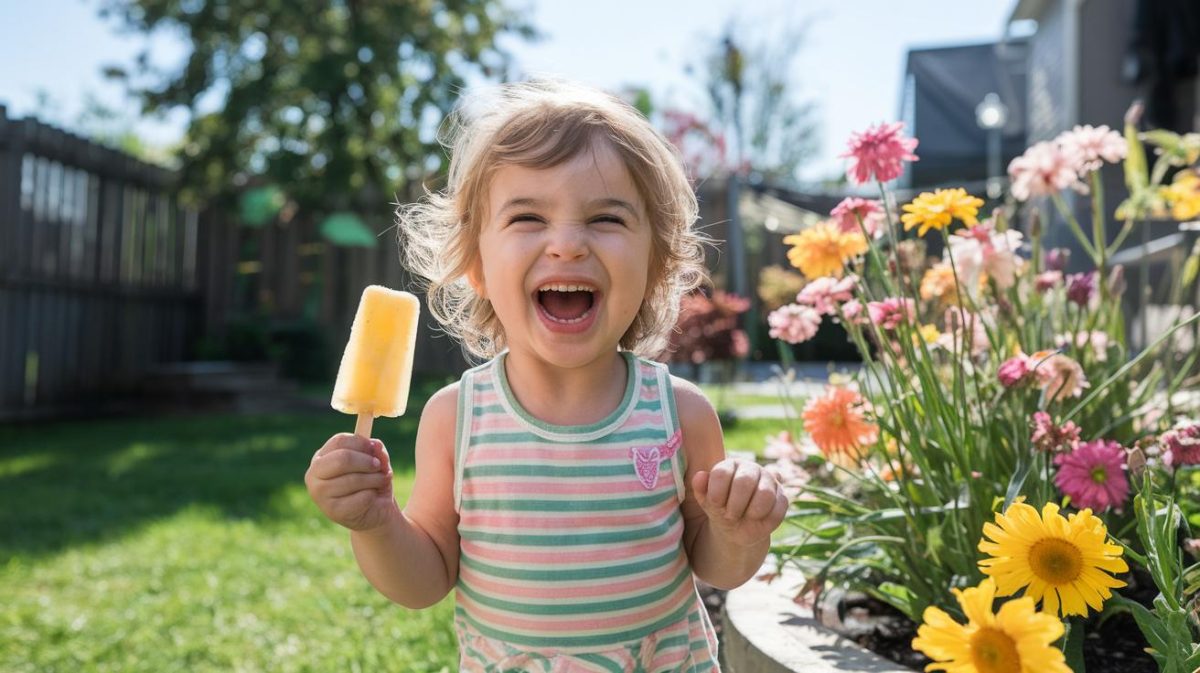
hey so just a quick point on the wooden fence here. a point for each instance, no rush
(97, 269)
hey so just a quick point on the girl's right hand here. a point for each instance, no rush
(350, 480)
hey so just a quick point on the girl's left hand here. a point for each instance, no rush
(742, 500)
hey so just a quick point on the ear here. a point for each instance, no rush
(475, 278)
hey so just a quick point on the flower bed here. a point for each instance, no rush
(1003, 471)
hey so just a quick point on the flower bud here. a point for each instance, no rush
(1116, 281)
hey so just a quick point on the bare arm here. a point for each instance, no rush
(412, 558)
(731, 507)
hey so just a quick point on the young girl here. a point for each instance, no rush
(567, 489)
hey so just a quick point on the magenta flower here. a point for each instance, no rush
(825, 293)
(1081, 287)
(794, 323)
(1057, 259)
(1043, 170)
(1013, 370)
(1051, 438)
(1181, 445)
(852, 209)
(1093, 475)
(1089, 147)
(890, 312)
(878, 153)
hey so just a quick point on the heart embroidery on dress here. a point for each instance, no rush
(647, 458)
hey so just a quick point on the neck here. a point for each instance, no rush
(567, 396)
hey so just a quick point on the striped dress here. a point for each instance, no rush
(571, 555)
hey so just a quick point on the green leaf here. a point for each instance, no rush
(1073, 647)
(347, 230)
(260, 205)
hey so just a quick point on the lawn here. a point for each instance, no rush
(190, 544)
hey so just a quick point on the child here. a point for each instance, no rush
(566, 488)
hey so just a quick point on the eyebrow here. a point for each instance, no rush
(534, 203)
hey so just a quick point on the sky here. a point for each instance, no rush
(851, 63)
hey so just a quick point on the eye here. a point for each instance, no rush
(610, 218)
(524, 217)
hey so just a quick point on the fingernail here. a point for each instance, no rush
(376, 444)
(375, 462)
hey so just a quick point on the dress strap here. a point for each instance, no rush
(462, 431)
(666, 400)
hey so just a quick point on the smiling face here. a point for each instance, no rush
(564, 256)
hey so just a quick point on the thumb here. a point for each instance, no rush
(700, 486)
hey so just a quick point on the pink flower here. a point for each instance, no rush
(1048, 280)
(782, 446)
(826, 292)
(1181, 445)
(852, 209)
(981, 249)
(1051, 438)
(1060, 376)
(962, 325)
(794, 323)
(1093, 475)
(852, 311)
(1043, 170)
(1089, 147)
(889, 313)
(1013, 370)
(878, 152)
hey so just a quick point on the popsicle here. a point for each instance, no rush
(376, 367)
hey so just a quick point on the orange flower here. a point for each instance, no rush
(836, 422)
(938, 283)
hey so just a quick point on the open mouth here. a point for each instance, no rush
(566, 304)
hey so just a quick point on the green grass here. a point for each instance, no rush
(190, 544)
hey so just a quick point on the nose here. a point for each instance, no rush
(567, 242)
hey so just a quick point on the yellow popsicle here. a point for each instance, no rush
(376, 367)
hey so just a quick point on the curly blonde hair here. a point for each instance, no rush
(541, 124)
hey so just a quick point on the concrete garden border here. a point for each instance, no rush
(765, 632)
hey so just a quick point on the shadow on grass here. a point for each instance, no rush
(72, 483)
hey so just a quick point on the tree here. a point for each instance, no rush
(752, 94)
(338, 102)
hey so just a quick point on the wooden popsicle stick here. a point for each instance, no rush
(362, 427)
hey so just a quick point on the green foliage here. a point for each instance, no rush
(902, 518)
(337, 102)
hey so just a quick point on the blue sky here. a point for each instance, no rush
(851, 64)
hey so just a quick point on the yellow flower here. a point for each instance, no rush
(1184, 196)
(928, 333)
(1014, 640)
(935, 210)
(823, 250)
(1060, 561)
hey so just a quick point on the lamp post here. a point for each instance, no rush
(991, 116)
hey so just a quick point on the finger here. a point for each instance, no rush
(719, 480)
(380, 451)
(350, 484)
(700, 486)
(765, 498)
(780, 511)
(343, 461)
(741, 490)
(344, 441)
